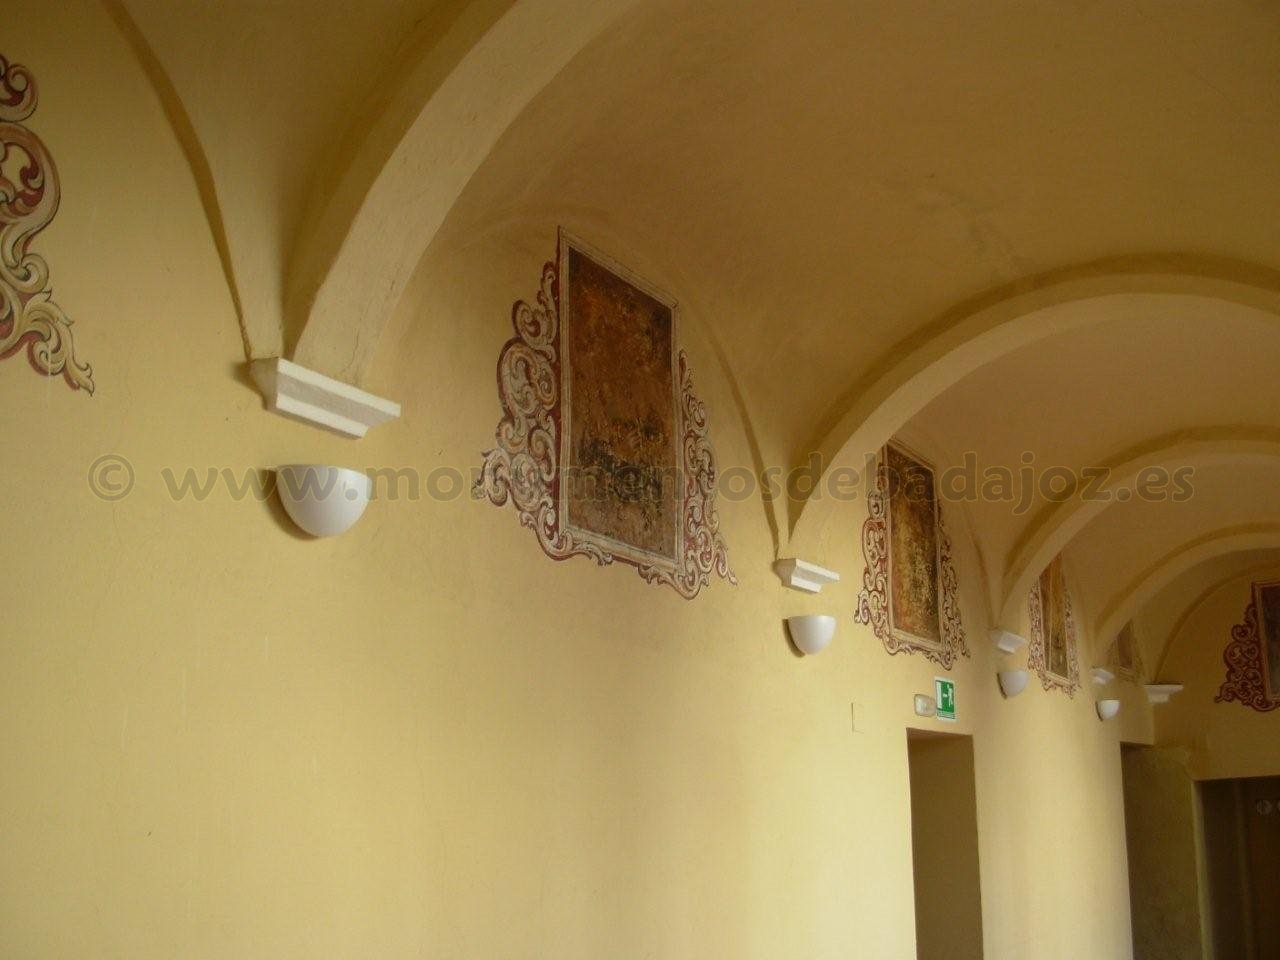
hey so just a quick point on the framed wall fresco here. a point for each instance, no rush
(1252, 657)
(29, 195)
(1125, 656)
(909, 593)
(1053, 632)
(603, 446)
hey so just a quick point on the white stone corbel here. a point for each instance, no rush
(1006, 641)
(294, 391)
(1161, 692)
(803, 575)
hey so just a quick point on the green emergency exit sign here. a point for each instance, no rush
(944, 692)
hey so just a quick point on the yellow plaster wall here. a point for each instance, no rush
(423, 738)
(1224, 739)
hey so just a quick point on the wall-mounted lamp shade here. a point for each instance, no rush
(1013, 682)
(811, 634)
(1108, 709)
(324, 501)
(1007, 641)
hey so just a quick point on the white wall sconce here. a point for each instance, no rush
(1012, 682)
(1007, 641)
(1108, 709)
(1161, 692)
(324, 501)
(803, 575)
(812, 633)
(1101, 676)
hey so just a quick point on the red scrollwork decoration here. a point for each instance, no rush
(29, 198)
(1246, 681)
(524, 466)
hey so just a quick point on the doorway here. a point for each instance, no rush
(1242, 855)
(944, 846)
(1164, 845)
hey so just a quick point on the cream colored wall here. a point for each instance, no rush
(1224, 739)
(423, 738)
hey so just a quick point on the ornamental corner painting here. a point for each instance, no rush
(909, 595)
(1053, 632)
(29, 197)
(603, 447)
(1252, 656)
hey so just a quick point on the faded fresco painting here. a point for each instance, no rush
(1053, 635)
(604, 447)
(913, 547)
(1126, 653)
(1053, 612)
(620, 399)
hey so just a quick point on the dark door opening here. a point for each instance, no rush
(1242, 861)
(944, 846)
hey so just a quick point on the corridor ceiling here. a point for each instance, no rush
(1042, 226)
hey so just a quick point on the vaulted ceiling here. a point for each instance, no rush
(1041, 227)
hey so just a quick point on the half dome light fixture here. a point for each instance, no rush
(1012, 682)
(812, 633)
(1108, 709)
(323, 500)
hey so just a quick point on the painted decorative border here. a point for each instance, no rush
(524, 467)
(874, 606)
(1246, 681)
(28, 316)
(1037, 658)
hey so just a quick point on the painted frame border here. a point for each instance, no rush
(522, 468)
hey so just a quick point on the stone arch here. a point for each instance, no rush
(985, 328)
(1049, 531)
(1121, 607)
